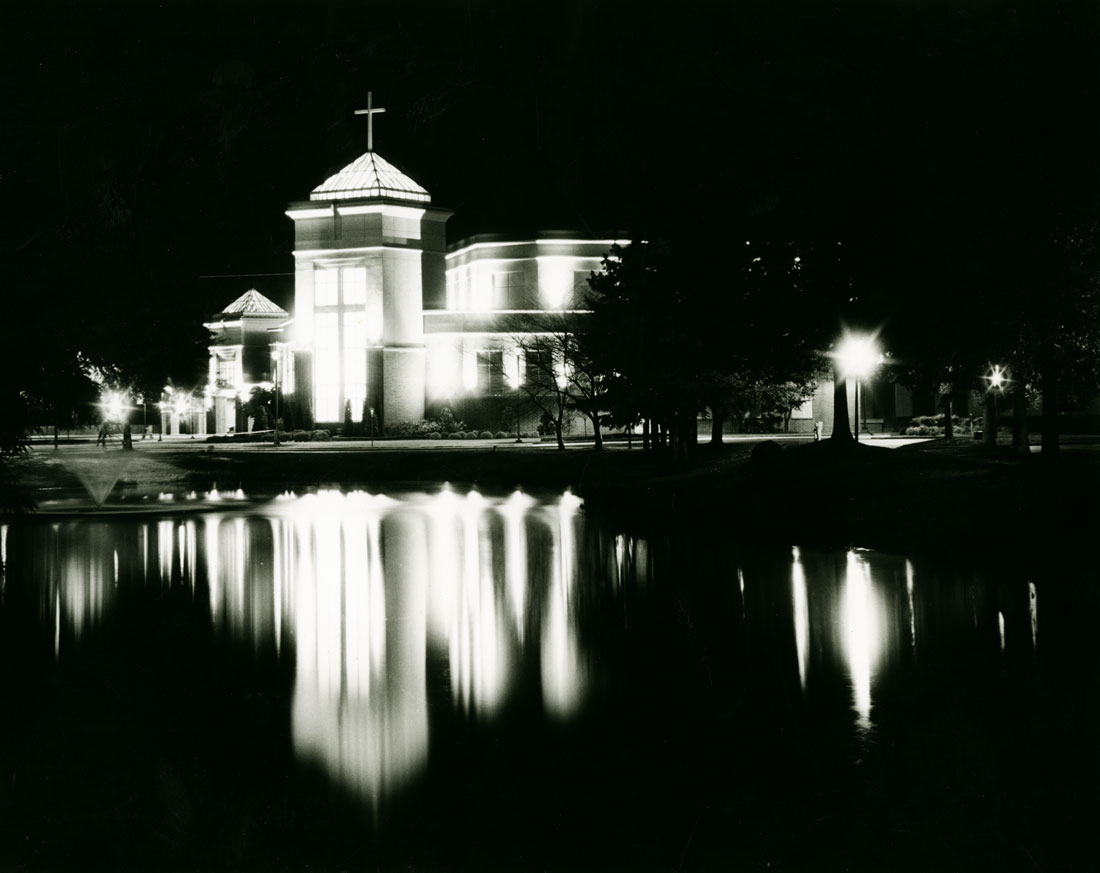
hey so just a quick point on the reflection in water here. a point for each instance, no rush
(801, 614)
(562, 677)
(909, 605)
(861, 632)
(1033, 607)
(366, 594)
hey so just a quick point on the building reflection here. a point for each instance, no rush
(362, 597)
(361, 586)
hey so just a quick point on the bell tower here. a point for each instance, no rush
(368, 250)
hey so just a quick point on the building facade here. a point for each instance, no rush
(388, 323)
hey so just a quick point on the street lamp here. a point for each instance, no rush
(372, 427)
(997, 379)
(858, 356)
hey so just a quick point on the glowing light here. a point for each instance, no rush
(514, 511)
(858, 356)
(1001, 628)
(512, 368)
(562, 670)
(555, 281)
(997, 377)
(113, 405)
(801, 616)
(912, 611)
(861, 633)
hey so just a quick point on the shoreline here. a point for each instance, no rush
(933, 497)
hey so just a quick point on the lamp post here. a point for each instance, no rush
(858, 356)
(372, 427)
(276, 356)
(996, 379)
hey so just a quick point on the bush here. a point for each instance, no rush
(500, 435)
(486, 435)
(301, 436)
(458, 435)
(933, 425)
(435, 435)
(420, 429)
(321, 435)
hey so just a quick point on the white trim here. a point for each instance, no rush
(325, 252)
(487, 313)
(497, 333)
(583, 242)
(218, 325)
(473, 247)
(302, 214)
(539, 242)
(386, 208)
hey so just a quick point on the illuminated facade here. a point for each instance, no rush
(388, 322)
(245, 341)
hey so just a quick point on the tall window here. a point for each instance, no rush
(342, 328)
(509, 290)
(490, 372)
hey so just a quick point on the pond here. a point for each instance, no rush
(464, 681)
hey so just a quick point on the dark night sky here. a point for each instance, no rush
(173, 135)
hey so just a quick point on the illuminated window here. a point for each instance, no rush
(538, 365)
(326, 367)
(355, 285)
(355, 361)
(325, 287)
(555, 281)
(490, 372)
(509, 290)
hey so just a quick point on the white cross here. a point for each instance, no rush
(369, 112)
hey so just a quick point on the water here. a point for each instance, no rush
(455, 681)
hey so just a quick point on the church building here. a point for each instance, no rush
(390, 322)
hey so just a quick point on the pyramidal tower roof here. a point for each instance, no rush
(370, 175)
(252, 302)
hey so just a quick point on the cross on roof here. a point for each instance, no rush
(369, 112)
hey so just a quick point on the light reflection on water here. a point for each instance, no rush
(363, 591)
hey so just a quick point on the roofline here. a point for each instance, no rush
(341, 204)
(542, 238)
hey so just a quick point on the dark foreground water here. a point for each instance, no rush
(451, 681)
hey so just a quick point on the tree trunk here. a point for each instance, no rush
(1050, 451)
(596, 430)
(989, 420)
(645, 434)
(842, 430)
(558, 427)
(717, 418)
(949, 416)
(1020, 444)
(56, 441)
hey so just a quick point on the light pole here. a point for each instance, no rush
(372, 427)
(276, 355)
(858, 356)
(996, 379)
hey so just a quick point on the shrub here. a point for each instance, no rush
(302, 436)
(486, 435)
(458, 435)
(500, 435)
(423, 428)
(435, 435)
(321, 435)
